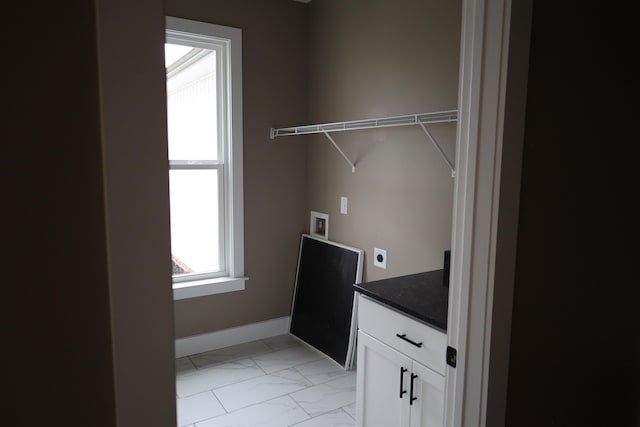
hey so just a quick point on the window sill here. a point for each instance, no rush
(200, 288)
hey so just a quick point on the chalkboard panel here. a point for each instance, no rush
(323, 303)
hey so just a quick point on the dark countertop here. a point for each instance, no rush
(421, 296)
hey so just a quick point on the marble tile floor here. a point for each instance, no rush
(274, 382)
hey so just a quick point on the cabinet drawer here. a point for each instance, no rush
(385, 324)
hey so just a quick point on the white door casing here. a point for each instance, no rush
(481, 228)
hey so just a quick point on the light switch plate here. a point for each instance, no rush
(343, 205)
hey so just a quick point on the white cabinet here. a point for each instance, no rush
(396, 386)
(428, 390)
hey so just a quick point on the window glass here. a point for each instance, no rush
(195, 223)
(192, 113)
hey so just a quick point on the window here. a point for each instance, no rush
(204, 126)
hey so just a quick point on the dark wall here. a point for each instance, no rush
(574, 346)
(61, 358)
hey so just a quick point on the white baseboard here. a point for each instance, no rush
(255, 331)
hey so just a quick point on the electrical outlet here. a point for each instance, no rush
(380, 258)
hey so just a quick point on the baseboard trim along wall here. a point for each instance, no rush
(240, 334)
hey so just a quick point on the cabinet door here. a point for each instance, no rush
(427, 399)
(382, 392)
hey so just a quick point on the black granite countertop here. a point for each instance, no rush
(421, 296)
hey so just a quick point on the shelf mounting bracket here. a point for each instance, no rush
(435, 143)
(353, 166)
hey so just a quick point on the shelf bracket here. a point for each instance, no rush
(435, 143)
(353, 166)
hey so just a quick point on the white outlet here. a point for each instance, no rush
(343, 205)
(380, 258)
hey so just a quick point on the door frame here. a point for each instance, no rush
(494, 52)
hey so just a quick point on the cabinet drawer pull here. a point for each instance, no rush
(402, 371)
(411, 396)
(404, 337)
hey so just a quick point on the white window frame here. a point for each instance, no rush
(201, 34)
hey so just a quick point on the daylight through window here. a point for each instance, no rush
(205, 151)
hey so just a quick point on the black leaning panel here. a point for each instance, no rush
(323, 301)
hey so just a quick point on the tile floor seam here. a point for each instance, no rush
(321, 375)
(323, 381)
(267, 344)
(216, 397)
(261, 401)
(304, 376)
(347, 412)
(300, 406)
(222, 404)
(258, 365)
(256, 404)
(206, 418)
(193, 365)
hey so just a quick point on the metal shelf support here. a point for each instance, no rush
(435, 143)
(422, 119)
(353, 166)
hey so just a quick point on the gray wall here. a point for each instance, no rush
(133, 117)
(274, 92)
(366, 59)
(376, 58)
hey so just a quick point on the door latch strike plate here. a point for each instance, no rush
(452, 355)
